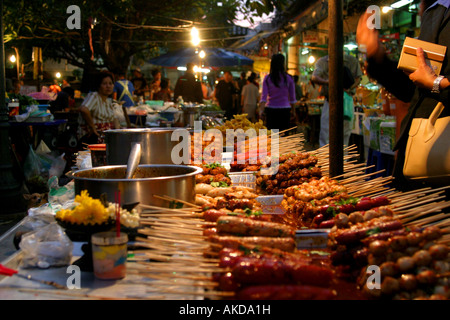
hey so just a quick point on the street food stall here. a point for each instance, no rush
(265, 223)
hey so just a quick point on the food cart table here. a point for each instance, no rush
(133, 286)
(35, 131)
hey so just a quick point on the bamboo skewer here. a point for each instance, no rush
(177, 200)
(77, 294)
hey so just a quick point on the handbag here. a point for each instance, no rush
(427, 154)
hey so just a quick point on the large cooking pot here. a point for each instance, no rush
(156, 145)
(175, 181)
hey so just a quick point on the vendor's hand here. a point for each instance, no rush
(424, 76)
(368, 37)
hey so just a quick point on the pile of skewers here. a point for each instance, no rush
(293, 169)
(238, 255)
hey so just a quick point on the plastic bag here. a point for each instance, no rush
(57, 167)
(348, 107)
(38, 217)
(46, 247)
(34, 172)
(44, 154)
(32, 165)
(60, 197)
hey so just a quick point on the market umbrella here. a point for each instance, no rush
(214, 57)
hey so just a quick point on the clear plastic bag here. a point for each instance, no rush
(60, 197)
(46, 247)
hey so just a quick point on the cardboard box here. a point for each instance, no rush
(434, 55)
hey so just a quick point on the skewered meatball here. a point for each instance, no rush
(426, 277)
(422, 258)
(408, 282)
(389, 286)
(414, 238)
(379, 247)
(398, 242)
(341, 220)
(356, 217)
(405, 263)
(438, 251)
(389, 268)
(432, 233)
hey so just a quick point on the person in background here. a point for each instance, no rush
(188, 87)
(250, 98)
(139, 83)
(256, 77)
(241, 82)
(96, 110)
(226, 94)
(16, 86)
(123, 91)
(64, 101)
(164, 94)
(278, 96)
(155, 84)
(298, 88)
(64, 84)
(312, 91)
(207, 90)
(320, 76)
(55, 88)
(422, 89)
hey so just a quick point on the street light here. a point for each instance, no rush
(195, 36)
(12, 58)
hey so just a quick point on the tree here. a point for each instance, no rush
(112, 31)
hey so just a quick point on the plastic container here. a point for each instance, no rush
(98, 154)
(109, 255)
(13, 108)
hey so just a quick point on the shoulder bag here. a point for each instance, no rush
(427, 155)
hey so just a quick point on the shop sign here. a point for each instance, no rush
(310, 37)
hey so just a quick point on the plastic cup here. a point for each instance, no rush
(109, 255)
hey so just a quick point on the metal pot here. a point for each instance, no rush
(175, 181)
(155, 142)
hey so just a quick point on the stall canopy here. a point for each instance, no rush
(214, 57)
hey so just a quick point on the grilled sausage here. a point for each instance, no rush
(250, 227)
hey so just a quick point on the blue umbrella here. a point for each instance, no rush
(214, 57)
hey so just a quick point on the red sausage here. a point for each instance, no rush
(352, 236)
(276, 271)
(327, 224)
(285, 292)
(313, 275)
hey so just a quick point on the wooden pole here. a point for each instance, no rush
(10, 188)
(336, 89)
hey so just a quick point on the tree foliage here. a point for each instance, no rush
(119, 29)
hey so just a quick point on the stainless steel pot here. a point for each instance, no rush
(156, 145)
(175, 181)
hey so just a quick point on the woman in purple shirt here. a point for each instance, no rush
(278, 95)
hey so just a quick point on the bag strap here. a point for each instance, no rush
(429, 130)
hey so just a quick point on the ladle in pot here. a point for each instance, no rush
(133, 160)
